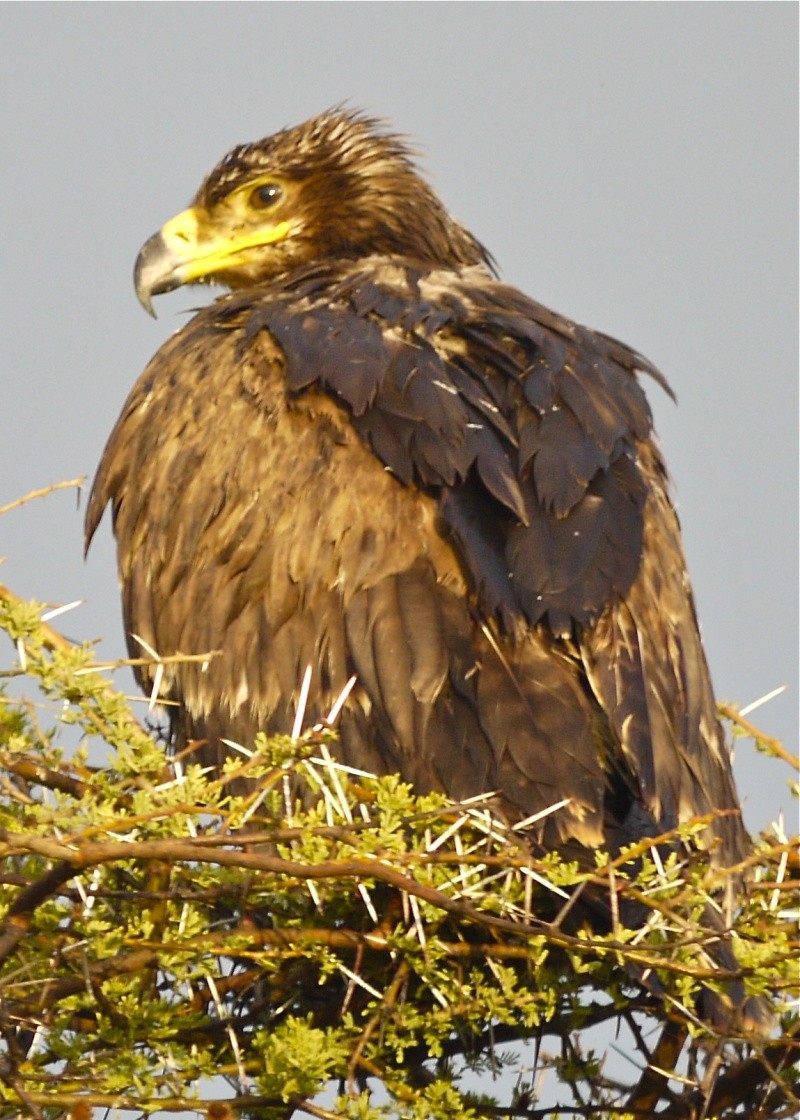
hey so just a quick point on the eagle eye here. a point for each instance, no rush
(266, 195)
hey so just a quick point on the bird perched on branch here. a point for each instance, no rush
(375, 458)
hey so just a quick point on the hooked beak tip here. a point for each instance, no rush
(156, 271)
(147, 303)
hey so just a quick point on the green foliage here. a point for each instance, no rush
(297, 1058)
(158, 931)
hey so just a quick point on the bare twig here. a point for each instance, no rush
(43, 493)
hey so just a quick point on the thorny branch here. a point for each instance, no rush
(151, 924)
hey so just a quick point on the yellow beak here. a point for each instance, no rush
(188, 249)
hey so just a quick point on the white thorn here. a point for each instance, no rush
(543, 813)
(237, 747)
(157, 679)
(148, 649)
(56, 611)
(333, 714)
(301, 704)
(762, 700)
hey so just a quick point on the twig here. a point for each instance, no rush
(654, 1082)
(774, 745)
(43, 493)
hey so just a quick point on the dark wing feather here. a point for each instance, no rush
(564, 461)
(455, 403)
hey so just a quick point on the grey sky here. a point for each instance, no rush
(631, 165)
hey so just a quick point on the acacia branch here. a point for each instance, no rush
(175, 851)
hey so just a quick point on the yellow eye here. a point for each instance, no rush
(265, 196)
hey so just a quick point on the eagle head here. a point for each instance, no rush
(337, 187)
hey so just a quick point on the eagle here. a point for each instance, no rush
(374, 458)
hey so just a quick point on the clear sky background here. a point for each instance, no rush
(630, 165)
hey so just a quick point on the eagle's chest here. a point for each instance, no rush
(270, 490)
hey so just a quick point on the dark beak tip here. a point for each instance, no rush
(144, 291)
(146, 302)
(154, 272)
